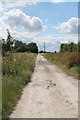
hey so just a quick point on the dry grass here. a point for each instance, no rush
(68, 61)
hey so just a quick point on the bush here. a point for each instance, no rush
(32, 47)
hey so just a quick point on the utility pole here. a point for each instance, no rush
(44, 46)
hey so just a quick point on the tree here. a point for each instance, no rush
(79, 46)
(9, 41)
(71, 47)
(32, 47)
(11, 44)
(3, 45)
(41, 51)
(62, 48)
(17, 44)
(75, 48)
(66, 47)
(22, 48)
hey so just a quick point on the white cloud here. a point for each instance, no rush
(53, 41)
(57, 37)
(69, 27)
(2, 9)
(25, 36)
(16, 18)
(17, 3)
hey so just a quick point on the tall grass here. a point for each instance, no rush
(17, 69)
(68, 61)
(0, 85)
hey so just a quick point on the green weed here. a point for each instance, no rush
(17, 69)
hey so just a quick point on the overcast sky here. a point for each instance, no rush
(51, 22)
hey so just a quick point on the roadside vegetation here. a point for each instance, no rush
(67, 59)
(18, 62)
(0, 85)
(17, 69)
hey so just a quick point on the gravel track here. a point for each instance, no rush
(50, 94)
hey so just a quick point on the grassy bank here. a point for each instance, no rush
(0, 85)
(17, 69)
(67, 61)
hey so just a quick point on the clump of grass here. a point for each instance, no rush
(17, 69)
(68, 61)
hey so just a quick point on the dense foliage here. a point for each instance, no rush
(10, 44)
(70, 47)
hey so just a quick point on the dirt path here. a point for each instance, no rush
(50, 94)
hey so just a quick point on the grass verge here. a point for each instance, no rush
(67, 61)
(17, 69)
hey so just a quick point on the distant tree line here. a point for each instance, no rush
(70, 47)
(10, 44)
